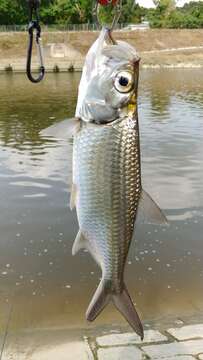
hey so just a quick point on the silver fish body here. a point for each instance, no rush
(107, 190)
(107, 184)
(108, 181)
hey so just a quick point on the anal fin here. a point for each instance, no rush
(79, 243)
(149, 211)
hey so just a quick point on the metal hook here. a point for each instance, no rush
(34, 25)
(118, 8)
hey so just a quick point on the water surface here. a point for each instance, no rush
(39, 279)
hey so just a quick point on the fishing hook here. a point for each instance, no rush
(34, 25)
(118, 8)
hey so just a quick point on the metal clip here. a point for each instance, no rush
(117, 6)
(34, 25)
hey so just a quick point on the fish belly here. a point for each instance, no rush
(106, 175)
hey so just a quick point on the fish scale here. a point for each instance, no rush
(107, 176)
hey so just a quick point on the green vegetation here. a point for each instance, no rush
(131, 13)
(63, 12)
(166, 15)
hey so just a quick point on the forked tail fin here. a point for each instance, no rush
(122, 301)
(125, 305)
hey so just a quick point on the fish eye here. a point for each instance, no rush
(124, 81)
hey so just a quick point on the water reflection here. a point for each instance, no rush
(37, 271)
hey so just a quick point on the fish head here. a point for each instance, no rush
(109, 83)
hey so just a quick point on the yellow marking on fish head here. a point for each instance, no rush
(132, 105)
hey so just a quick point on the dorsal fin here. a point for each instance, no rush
(149, 211)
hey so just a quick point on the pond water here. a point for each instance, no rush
(39, 279)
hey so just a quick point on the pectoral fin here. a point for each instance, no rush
(73, 196)
(149, 211)
(63, 130)
(79, 243)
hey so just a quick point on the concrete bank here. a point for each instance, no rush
(65, 51)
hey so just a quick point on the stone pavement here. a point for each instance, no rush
(181, 343)
(184, 342)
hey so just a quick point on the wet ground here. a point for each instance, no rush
(41, 284)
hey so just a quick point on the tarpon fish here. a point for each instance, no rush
(107, 188)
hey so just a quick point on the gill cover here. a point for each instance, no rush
(108, 81)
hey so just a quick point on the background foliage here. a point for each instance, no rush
(166, 15)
